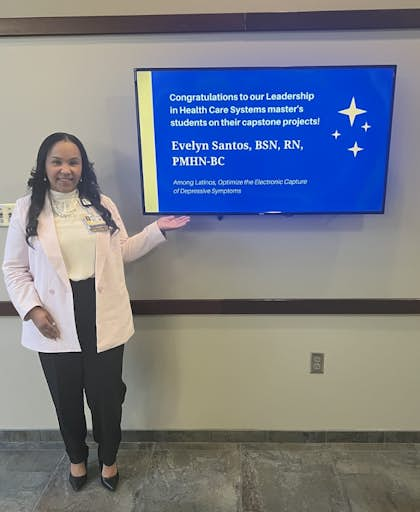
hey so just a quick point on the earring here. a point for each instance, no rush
(81, 179)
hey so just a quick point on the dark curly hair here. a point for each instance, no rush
(38, 182)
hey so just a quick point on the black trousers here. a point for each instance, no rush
(69, 374)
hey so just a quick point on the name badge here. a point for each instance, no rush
(94, 223)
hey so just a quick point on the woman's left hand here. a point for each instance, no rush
(171, 222)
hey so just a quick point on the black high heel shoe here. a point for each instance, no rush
(111, 482)
(77, 482)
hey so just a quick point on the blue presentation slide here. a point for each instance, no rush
(265, 140)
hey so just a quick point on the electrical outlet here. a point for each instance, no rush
(5, 213)
(317, 362)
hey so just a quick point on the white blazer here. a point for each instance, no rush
(37, 277)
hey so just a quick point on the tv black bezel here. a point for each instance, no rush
(273, 213)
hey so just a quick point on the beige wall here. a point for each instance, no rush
(244, 373)
(17, 8)
(230, 372)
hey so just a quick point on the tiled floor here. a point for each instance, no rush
(219, 477)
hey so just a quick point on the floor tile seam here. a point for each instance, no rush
(27, 450)
(241, 479)
(149, 462)
(31, 445)
(146, 473)
(52, 476)
(164, 445)
(340, 482)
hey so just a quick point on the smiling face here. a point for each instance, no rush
(63, 166)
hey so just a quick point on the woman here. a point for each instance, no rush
(63, 269)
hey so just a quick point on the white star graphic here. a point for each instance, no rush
(355, 148)
(366, 126)
(352, 111)
(336, 134)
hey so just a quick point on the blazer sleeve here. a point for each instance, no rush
(136, 246)
(17, 276)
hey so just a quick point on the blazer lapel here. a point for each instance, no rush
(47, 236)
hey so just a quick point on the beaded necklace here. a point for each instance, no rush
(65, 206)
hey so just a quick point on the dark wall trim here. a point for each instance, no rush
(265, 307)
(334, 20)
(277, 307)
(145, 24)
(7, 309)
(201, 23)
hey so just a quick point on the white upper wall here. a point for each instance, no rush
(28, 8)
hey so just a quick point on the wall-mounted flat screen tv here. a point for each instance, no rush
(287, 140)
